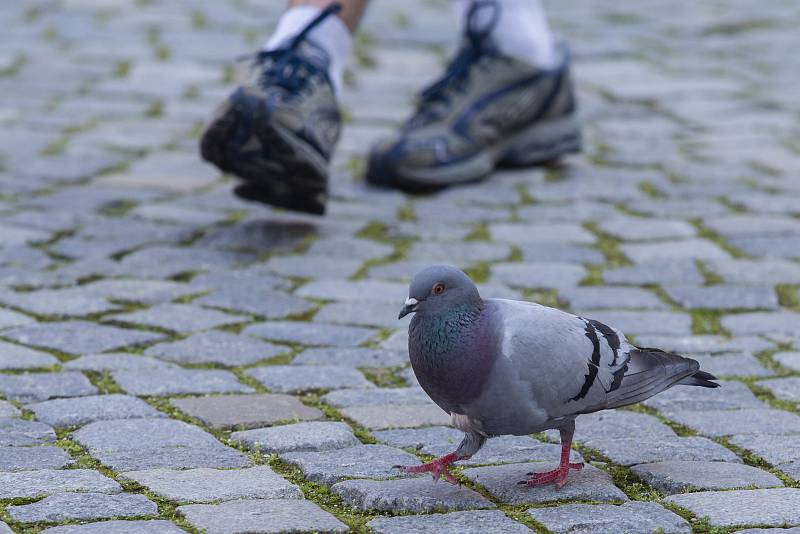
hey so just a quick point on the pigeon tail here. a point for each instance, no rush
(700, 378)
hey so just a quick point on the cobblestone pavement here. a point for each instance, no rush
(175, 360)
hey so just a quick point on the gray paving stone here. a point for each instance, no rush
(539, 233)
(266, 303)
(163, 382)
(793, 530)
(10, 319)
(666, 271)
(763, 323)
(783, 388)
(362, 461)
(376, 314)
(641, 229)
(641, 450)
(723, 297)
(83, 506)
(468, 522)
(408, 495)
(590, 483)
(782, 452)
(389, 416)
(136, 444)
(698, 249)
(29, 458)
(757, 272)
(16, 357)
(77, 337)
(557, 252)
(732, 364)
(538, 275)
(438, 251)
(5, 529)
(48, 482)
(291, 378)
(678, 476)
(148, 526)
(353, 357)
(776, 507)
(79, 411)
(216, 347)
(181, 318)
(644, 322)
(21, 432)
(298, 437)
(204, 485)
(321, 267)
(768, 246)
(614, 424)
(345, 398)
(246, 411)
(8, 410)
(355, 291)
(69, 302)
(630, 517)
(141, 291)
(730, 396)
(42, 386)
(789, 360)
(588, 298)
(116, 361)
(261, 517)
(717, 423)
(311, 333)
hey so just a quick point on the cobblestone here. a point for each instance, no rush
(205, 485)
(43, 386)
(137, 444)
(408, 495)
(588, 484)
(79, 411)
(127, 268)
(83, 506)
(262, 517)
(678, 476)
(776, 507)
(473, 522)
(292, 378)
(161, 382)
(299, 437)
(363, 461)
(630, 517)
(215, 347)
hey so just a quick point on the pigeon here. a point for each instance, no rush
(501, 367)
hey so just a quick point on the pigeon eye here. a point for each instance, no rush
(438, 289)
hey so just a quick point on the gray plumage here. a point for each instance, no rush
(509, 367)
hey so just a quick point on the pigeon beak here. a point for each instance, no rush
(410, 306)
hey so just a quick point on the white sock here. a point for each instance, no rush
(522, 31)
(331, 34)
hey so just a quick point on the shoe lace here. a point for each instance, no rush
(438, 95)
(284, 67)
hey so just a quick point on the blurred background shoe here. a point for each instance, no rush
(488, 109)
(277, 132)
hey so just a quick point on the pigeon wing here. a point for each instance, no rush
(575, 365)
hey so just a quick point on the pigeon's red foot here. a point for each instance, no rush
(437, 468)
(557, 475)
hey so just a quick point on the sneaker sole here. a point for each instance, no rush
(278, 167)
(538, 144)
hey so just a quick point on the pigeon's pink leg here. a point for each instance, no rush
(559, 474)
(437, 468)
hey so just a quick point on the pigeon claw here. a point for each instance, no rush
(558, 476)
(438, 468)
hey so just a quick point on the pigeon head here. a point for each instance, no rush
(440, 288)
